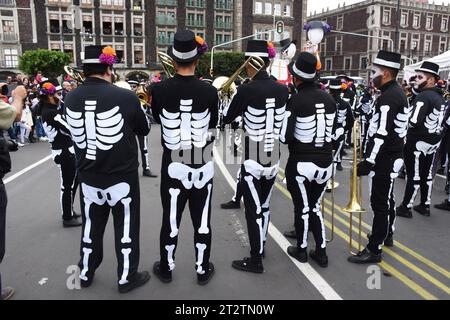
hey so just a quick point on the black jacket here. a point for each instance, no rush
(426, 116)
(261, 103)
(56, 127)
(104, 121)
(309, 124)
(388, 123)
(186, 108)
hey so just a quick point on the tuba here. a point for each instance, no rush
(167, 63)
(142, 95)
(74, 74)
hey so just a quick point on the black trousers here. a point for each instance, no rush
(3, 203)
(99, 196)
(257, 189)
(144, 152)
(382, 202)
(419, 157)
(307, 181)
(65, 160)
(179, 184)
(238, 193)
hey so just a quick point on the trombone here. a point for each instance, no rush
(355, 202)
(333, 185)
(167, 63)
(74, 74)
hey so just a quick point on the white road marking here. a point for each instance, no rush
(21, 172)
(312, 275)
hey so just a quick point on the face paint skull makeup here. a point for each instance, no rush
(376, 73)
(420, 82)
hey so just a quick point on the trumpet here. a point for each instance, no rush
(142, 95)
(355, 202)
(74, 74)
(167, 63)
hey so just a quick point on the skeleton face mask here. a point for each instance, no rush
(376, 74)
(420, 82)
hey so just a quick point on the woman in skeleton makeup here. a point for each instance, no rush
(104, 121)
(261, 102)
(186, 108)
(423, 140)
(58, 133)
(308, 129)
(383, 153)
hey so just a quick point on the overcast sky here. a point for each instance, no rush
(332, 4)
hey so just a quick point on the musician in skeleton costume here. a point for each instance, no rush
(365, 110)
(104, 121)
(58, 133)
(308, 130)
(262, 102)
(186, 108)
(423, 140)
(383, 153)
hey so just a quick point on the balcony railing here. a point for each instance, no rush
(9, 37)
(164, 41)
(172, 3)
(195, 23)
(223, 5)
(196, 3)
(223, 25)
(7, 2)
(164, 20)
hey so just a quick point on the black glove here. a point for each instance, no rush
(364, 168)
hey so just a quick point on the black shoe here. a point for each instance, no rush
(298, 254)
(86, 283)
(231, 205)
(6, 293)
(140, 279)
(148, 173)
(321, 259)
(422, 209)
(248, 265)
(203, 279)
(365, 256)
(290, 234)
(443, 206)
(74, 222)
(339, 167)
(165, 277)
(76, 215)
(388, 242)
(402, 211)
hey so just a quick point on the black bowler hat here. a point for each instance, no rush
(54, 82)
(429, 67)
(335, 84)
(285, 43)
(305, 67)
(388, 59)
(343, 76)
(184, 47)
(92, 55)
(257, 48)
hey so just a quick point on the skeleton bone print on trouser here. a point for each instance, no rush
(419, 157)
(382, 202)
(143, 146)
(257, 186)
(180, 183)
(98, 197)
(65, 160)
(307, 181)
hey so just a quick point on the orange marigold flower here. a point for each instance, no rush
(199, 40)
(47, 85)
(270, 44)
(109, 51)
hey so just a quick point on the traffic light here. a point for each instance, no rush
(280, 27)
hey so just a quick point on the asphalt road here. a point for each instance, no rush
(39, 251)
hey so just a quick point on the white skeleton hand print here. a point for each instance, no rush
(184, 129)
(101, 130)
(264, 124)
(401, 122)
(316, 128)
(50, 132)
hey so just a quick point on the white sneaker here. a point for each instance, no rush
(20, 144)
(43, 139)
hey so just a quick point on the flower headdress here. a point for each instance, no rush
(271, 50)
(47, 88)
(202, 46)
(108, 56)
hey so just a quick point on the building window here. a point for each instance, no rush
(443, 44)
(258, 7)
(428, 44)
(429, 24)
(268, 8)
(115, 3)
(404, 19)
(444, 24)
(347, 64)
(338, 46)
(416, 20)
(87, 24)
(363, 64)
(67, 23)
(54, 23)
(387, 16)
(340, 23)
(328, 64)
(277, 9)
(138, 55)
(287, 10)
(137, 26)
(118, 26)
(403, 41)
(86, 2)
(11, 58)
(219, 39)
(137, 5)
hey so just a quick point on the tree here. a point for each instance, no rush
(50, 63)
(225, 63)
